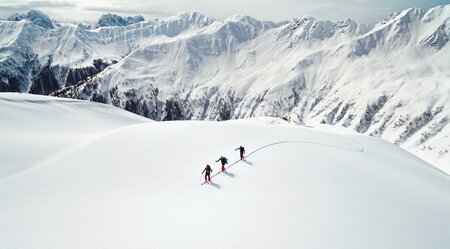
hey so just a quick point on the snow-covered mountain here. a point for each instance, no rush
(36, 17)
(388, 80)
(107, 178)
(115, 20)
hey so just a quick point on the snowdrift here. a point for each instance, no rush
(98, 177)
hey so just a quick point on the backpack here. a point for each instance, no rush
(225, 160)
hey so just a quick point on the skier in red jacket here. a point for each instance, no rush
(207, 172)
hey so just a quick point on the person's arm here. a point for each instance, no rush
(218, 160)
(237, 149)
(203, 171)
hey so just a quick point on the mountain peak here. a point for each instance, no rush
(195, 18)
(189, 14)
(116, 20)
(35, 16)
(405, 16)
(346, 22)
(346, 26)
(242, 18)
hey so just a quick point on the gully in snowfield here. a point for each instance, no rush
(224, 161)
(242, 152)
(207, 172)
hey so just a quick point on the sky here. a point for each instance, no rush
(366, 11)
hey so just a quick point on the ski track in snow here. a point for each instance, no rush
(285, 142)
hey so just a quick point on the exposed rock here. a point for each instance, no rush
(417, 123)
(36, 17)
(172, 110)
(434, 129)
(115, 20)
(46, 82)
(372, 109)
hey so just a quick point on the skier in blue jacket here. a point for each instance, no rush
(224, 161)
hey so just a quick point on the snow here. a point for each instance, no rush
(35, 16)
(115, 20)
(307, 70)
(127, 182)
(30, 136)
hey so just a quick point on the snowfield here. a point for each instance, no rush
(35, 128)
(83, 175)
(387, 80)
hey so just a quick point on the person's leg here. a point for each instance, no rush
(223, 167)
(206, 175)
(209, 177)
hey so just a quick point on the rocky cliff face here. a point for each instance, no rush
(386, 80)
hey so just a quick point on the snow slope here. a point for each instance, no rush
(386, 80)
(37, 128)
(138, 186)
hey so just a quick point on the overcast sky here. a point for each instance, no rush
(368, 11)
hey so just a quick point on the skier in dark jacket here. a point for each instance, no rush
(242, 151)
(207, 172)
(224, 161)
